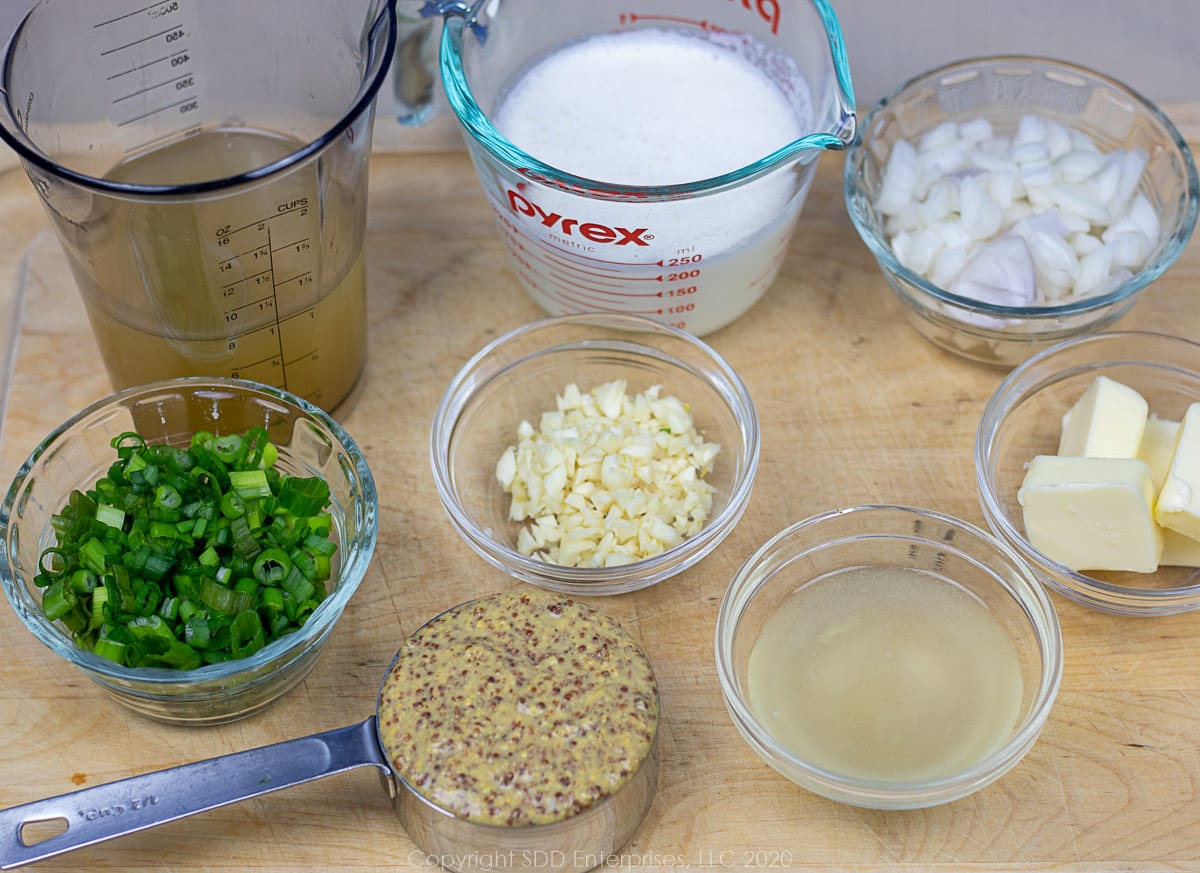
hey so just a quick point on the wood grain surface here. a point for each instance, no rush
(855, 408)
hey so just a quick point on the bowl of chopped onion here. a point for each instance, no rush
(1016, 202)
(190, 544)
(595, 453)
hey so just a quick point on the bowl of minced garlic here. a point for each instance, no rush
(522, 729)
(595, 453)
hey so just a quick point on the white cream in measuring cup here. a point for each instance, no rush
(651, 160)
(662, 108)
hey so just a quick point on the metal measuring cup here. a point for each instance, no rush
(103, 812)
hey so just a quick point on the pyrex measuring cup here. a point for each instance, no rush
(695, 255)
(45, 828)
(204, 165)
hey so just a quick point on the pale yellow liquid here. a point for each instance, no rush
(885, 673)
(267, 284)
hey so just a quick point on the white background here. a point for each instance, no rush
(1151, 45)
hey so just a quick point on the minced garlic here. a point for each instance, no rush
(608, 478)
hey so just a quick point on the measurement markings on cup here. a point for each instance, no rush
(146, 57)
(253, 299)
(585, 281)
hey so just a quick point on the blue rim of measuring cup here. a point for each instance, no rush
(27, 151)
(458, 93)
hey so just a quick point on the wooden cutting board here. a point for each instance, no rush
(855, 408)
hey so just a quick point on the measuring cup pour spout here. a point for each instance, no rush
(841, 120)
(846, 123)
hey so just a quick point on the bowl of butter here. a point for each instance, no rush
(1087, 462)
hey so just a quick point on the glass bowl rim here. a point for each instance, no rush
(464, 388)
(1121, 599)
(1172, 247)
(1032, 600)
(139, 679)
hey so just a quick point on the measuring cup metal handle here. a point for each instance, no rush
(92, 815)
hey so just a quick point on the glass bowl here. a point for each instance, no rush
(78, 453)
(1023, 418)
(954, 559)
(1001, 90)
(519, 375)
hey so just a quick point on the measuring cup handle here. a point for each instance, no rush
(114, 809)
(415, 65)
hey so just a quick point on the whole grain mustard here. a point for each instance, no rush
(521, 708)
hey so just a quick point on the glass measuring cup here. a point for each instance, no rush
(695, 255)
(204, 165)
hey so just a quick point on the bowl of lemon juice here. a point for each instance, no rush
(887, 656)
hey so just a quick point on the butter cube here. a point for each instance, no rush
(1107, 421)
(1178, 506)
(1178, 550)
(1092, 513)
(1158, 445)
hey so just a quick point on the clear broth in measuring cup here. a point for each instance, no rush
(266, 284)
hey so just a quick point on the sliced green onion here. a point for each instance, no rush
(303, 562)
(196, 632)
(322, 568)
(110, 515)
(178, 655)
(58, 600)
(84, 581)
(93, 555)
(222, 599)
(298, 586)
(250, 484)
(168, 497)
(320, 525)
(150, 627)
(179, 557)
(99, 608)
(247, 633)
(320, 545)
(244, 544)
(147, 596)
(272, 601)
(272, 566)
(189, 609)
(158, 565)
(232, 505)
(169, 608)
(120, 592)
(106, 647)
(304, 497)
(246, 585)
(229, 448)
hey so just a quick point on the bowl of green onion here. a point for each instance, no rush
(190, 544)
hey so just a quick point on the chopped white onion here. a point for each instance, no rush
(1070, 217)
